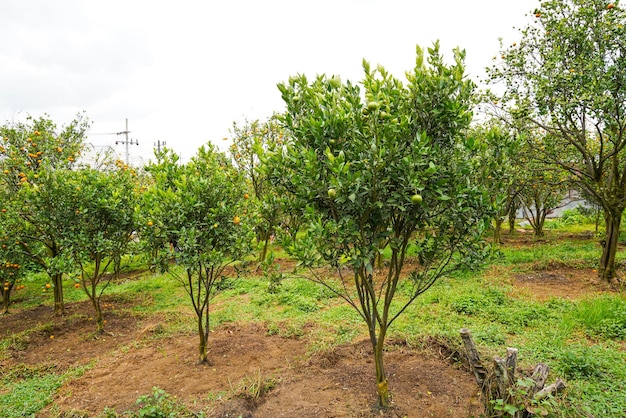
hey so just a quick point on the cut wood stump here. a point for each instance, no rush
(501, 383)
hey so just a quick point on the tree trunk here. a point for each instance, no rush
(539, 217)
(512, 218)
(606, 270)
(263, 254)
(381, 378)
(203, 330)
(497, 230)
(202, 347)
(99, 320)
(539, 227)
(57, 288)
(6, 300)
(96, 307)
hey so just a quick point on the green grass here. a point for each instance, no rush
(552, 254)
(26, 390)
(602, 317)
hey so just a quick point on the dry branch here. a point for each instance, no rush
(556, 387)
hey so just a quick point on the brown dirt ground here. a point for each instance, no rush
(134, 356)
(131, 359)
(564, 283)
(556, 280)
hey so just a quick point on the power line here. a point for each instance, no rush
(104, 133)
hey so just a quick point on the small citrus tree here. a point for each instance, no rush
(543, 189)
(250, 142)
(102, 214)
(194, 214)
(387, 173)
(498, 152)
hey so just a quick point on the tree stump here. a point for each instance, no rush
(506, 392)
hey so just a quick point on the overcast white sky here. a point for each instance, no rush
(182, 71)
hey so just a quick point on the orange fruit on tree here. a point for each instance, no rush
(48, 285)
(236, 220)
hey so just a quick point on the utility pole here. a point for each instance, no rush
(159, 144)
(126, 141)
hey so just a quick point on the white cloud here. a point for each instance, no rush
(184, 71)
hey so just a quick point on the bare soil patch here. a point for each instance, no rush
(131, 359)
(334, 384)
(565, 283)
(69, 340)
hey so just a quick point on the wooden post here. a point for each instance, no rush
(511, 363)
(502, 377)
(480, 373)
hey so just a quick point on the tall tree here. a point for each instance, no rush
(567, 77)
(35, 202)
(386, 168)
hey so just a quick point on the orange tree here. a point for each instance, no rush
(567, 77)
(194, 215)
(387, 168)
(35, 204)
(101, 211)
(498, 152)
(250, 142)
(543, 188)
